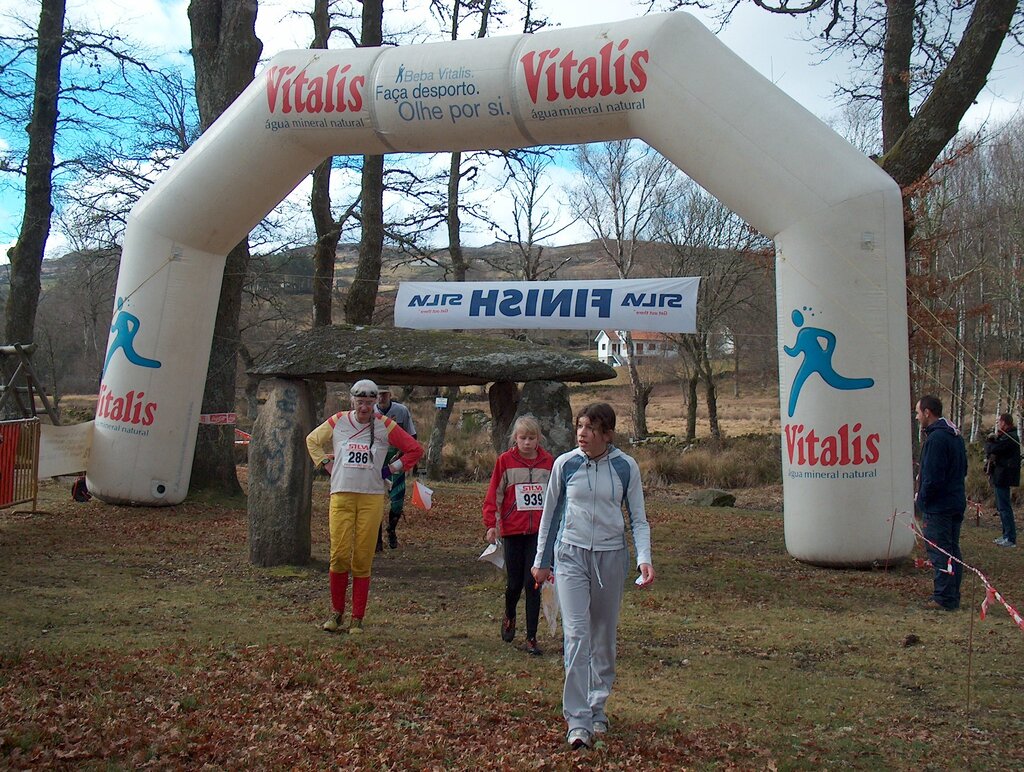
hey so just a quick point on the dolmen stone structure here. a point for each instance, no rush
(280, 473)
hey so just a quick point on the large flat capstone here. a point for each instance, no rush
(342, 353)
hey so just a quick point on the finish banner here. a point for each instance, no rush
(659, 305)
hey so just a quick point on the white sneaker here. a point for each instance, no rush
(1000, 541)
(1008, 544)
(600, 727)
(578, 738)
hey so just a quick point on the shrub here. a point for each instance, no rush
(739, 462)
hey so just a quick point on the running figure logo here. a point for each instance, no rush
(817, 359)
(125, 328)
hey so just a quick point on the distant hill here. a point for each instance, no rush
(292, 269)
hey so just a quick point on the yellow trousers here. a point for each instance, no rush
(354, 521)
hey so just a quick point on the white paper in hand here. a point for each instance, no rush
(494, 554)
(549, 604)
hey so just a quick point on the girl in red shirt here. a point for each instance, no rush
(512, 509)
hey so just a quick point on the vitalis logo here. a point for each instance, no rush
(848, 446)
(335, 93)
(817, 358)
(552, 75)
(124, 328)
(129, 409)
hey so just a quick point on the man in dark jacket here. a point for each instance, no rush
(1002, 464)
(942, 499)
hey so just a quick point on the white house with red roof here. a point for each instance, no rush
(612, 350)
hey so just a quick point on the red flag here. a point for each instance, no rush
(422, 496)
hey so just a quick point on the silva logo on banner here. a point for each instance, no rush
(661, 305)
(552, 75)
(817, 358)
(124, 328)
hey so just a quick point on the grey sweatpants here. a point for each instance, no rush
(590, 586)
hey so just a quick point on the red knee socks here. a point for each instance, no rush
(339, 586)
(360, 591)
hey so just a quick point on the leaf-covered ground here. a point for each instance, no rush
(142, 638)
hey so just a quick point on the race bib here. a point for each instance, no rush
(357, 456)
(529, 496)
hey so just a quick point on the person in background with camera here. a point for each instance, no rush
(1002, 465)
(351, 445)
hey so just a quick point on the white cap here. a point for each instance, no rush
(364, 388)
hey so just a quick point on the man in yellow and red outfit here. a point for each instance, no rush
(351, 445)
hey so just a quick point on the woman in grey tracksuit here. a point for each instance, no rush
(582, 536)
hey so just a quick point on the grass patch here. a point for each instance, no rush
(137, 636)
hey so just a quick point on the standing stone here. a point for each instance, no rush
(548, 402)
(281, 476)
(503, 397)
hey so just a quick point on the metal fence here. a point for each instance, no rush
(19, 462)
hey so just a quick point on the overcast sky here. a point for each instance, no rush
(771, 44)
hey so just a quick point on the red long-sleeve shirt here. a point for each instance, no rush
(502, 508)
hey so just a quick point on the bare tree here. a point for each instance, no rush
(705, 239)
(455, 14)
(36, 97)
(119, 165)
(965, 278)
(27, 254)
(362, 295)
(621, 189)
(532, 223)
(921, 63)
(225, 51)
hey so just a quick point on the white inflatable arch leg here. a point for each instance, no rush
(836, 219)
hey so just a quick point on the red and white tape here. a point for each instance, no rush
(991, 593)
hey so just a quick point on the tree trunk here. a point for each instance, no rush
(735, 369)
(459, 266)
(895, 91)
(691, 408)
(362, 295)
(641, 391)
(938, 118)
(225, 51)
(327, 231)
(252, 384)
(26, 255)
(436, 444)
(503, 397)
(325, 250)
(710, 391)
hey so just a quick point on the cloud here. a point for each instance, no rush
(159, 26)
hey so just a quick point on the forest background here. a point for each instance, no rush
(103, 121)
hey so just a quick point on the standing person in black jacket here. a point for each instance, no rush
(942, 499)
(1002, 464)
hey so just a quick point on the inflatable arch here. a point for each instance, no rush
(835, 216)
